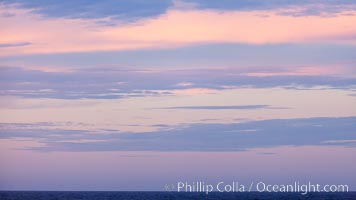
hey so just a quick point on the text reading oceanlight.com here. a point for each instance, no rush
(303, 188)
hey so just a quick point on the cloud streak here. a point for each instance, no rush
(113, 83)
(18, 44)
(327, 58)
(241, 107)
(296, 8)
(197, 137)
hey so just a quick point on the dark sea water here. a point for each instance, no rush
(7, 195)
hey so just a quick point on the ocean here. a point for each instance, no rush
(46, 195)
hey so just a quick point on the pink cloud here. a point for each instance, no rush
(175, 28)
(303, 71)
(194, 91)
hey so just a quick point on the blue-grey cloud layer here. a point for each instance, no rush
(312, 7)
(109, 83)
(201, 56)
(197, 137)
(138, 9)
(97, 73)
(121, 9)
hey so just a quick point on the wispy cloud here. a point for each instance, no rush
(16, 44)
(294, 7)
(103, 84)
(240, 107)
(197, 137)
(121, 10)
(184, 84)
(339, 142)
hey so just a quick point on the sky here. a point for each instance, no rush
(134, 95)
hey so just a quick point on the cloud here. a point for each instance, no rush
(268, 59)
(122, 10)
(196, 137)
(138, 9)
(17, 44)
(103, 83)
(175, 28)
(293, 7)
(240, 107)
(338, 141)
(184, 84)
